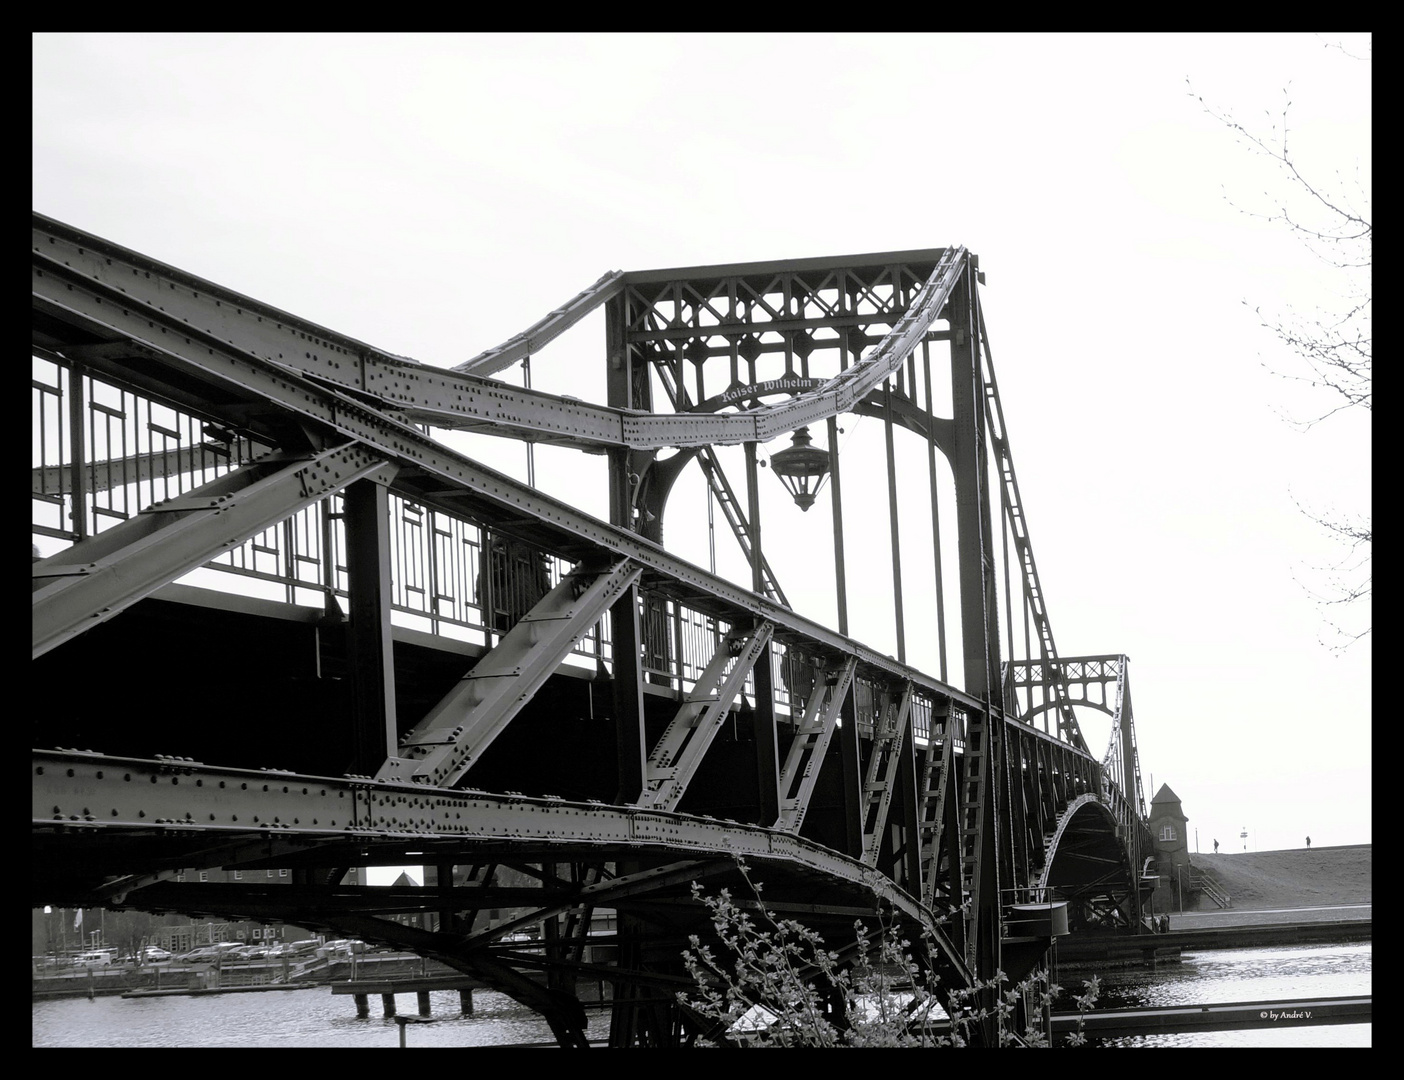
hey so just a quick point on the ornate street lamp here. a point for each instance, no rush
(802, 468)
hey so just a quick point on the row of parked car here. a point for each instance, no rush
(225, 951)
(222, 952)
(233, 950)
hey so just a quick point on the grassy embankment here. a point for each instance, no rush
(1316, 877)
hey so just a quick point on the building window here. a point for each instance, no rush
(282, 873)
(238, 875)
(1167, 832)
(180, 875)
(204, 875)
(270, 873)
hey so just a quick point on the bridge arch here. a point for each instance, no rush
(1087, 865)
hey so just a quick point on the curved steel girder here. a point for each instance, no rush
(655, 484)
(1085, 817)
(542, 332)
(562, 1011)
(63, 255)
(1075, 703)
(94, 795)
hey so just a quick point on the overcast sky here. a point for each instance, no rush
(433, 195)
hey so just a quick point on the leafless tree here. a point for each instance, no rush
(1330, 217)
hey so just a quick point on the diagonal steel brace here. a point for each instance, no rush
(101, 576)
(806, 756)
(456, 732)
(881, 774)
(674, 761)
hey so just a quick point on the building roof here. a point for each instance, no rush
(1165, 795)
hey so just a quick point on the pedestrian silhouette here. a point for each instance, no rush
(1308, 842)
(1216, 847)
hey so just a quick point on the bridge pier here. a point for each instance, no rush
(362, 1006)
(387, 1002)
(423, 1000)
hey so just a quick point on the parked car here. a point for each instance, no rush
(342, 948)
(92, 959)
(208, 954)
(152, 954)
(294, 949)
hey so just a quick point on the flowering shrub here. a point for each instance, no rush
(774, 982)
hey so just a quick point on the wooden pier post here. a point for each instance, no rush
(423, 996)
(362, 1006)
(465, 1002)
(388, 1001)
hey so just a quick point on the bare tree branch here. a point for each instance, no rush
(1334, 348)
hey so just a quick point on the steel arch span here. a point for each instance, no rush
(1088, 865)
(294, 623)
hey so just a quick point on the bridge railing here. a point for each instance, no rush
(450, 575)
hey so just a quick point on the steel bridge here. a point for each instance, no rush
(286, 621)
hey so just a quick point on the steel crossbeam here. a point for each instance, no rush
(679, 751)
(137, 468)
(609, 892)
(813, 734)
(443, 746)
(880, 773)
(96, 579)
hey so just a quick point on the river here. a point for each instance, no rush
(315, 1018)
(1213, 976)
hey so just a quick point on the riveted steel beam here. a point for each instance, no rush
(99, 577)
(541, 333)
(611, 891)
(87, 793)
(674, 760)
(443, 746)
(370, 636)
(139, 468)
(118, 280)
